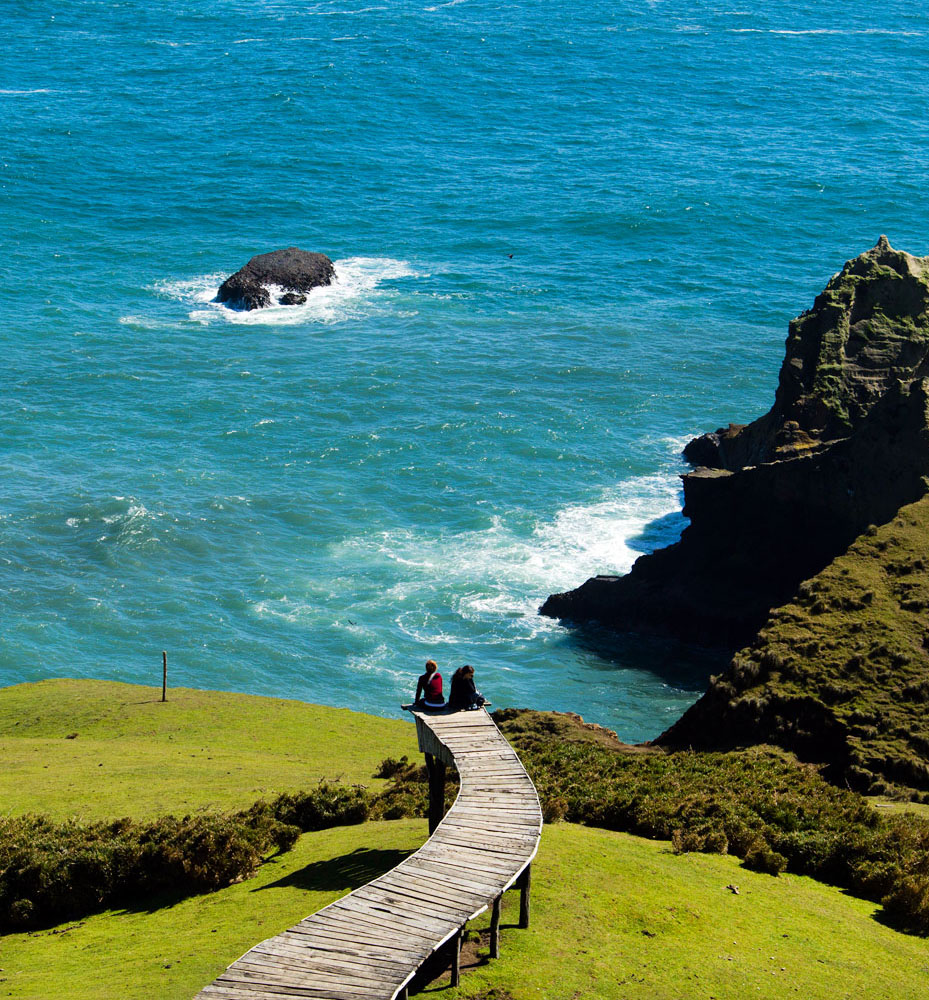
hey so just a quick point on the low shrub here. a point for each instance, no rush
(760, 858)
(408, 793)
(759, 804)
(327, 805)
(51, 871)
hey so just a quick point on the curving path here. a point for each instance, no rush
(369, 944)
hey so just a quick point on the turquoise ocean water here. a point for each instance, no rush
(567, 237)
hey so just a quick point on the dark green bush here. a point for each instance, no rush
(51, 872)
(760, 858)
(408, 793)
(327, 805)
(907, 904)
(758, 804)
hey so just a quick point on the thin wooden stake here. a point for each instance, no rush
(525, 885)
(436, 771)
(164, 675)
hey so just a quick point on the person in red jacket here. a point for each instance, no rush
(429, 687)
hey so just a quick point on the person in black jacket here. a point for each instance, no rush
(463, 693)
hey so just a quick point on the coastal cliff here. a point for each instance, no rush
(772, 503)
(840, 674)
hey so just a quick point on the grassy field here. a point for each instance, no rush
(99, 750)
(622, 918)
(614, 916)
(170, 949)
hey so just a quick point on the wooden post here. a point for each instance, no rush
(404, 994)
(456, 959)
(164, 675)
(436, 771)
(525, 881)
(495, 928)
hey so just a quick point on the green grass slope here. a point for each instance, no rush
(169, 950)
(614, 916)
(840, 674)
(130, 754)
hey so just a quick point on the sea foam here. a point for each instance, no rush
(357, 292)
(498, 576)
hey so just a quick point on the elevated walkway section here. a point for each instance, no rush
(369, 944)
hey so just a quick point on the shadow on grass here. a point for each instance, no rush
(162, 900)
(434, 974)
(346, 872)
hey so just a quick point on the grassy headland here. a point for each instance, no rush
(614, 916)
(100, 750)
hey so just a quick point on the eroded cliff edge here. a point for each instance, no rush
(844, 446)
(819, 510)
(840, 674)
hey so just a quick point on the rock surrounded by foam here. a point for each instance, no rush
(294, 270)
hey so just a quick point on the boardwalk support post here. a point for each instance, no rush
(369, 944)
(456, 958)
(435, 768)
(495, 928)
(525, 882)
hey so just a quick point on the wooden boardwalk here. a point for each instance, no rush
(369, 944)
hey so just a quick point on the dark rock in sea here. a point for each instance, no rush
(296, 271)
(844, 446)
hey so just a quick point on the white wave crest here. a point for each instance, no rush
(357, 291)
(124, 522)
(500, 574)
(450, 3)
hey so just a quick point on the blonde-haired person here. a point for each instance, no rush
(429, 687)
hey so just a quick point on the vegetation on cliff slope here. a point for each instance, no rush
(840, 674)
(613, 916)
(759, 804)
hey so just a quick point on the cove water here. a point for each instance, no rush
(567, 238)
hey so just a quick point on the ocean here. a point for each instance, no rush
(567, 239)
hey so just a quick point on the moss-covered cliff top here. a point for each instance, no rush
(868, 327)
(841, 673)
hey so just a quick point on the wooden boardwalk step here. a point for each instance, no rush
(369, 944)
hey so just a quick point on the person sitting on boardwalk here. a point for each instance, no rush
(463, 693)
(429, 687)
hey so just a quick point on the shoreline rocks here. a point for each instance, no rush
(773, 502)
(294, 270)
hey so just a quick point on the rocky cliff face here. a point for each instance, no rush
(840, 674)
(772, 503)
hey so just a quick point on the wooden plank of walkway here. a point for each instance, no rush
(369, 944)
